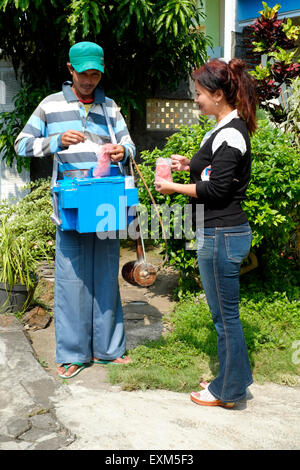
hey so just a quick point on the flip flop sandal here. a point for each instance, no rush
(77, 371)
(196, 398)
(103, 361)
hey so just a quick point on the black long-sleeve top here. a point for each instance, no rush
(221, 170)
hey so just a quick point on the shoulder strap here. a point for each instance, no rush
(112, 135)
(55, 215)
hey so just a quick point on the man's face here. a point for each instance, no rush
(84, 83)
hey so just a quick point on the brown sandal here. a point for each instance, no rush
(196, 398)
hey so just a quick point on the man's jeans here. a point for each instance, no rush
(87, 310)
(220, 253)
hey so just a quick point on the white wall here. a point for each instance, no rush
(11, 182)
(229, 15)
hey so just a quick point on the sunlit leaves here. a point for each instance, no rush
(178, 17)
(269, 13)
(139, 12)
(276, 39)
(86, 15)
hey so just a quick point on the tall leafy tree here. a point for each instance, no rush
(147, 44)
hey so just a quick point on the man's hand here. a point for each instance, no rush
(117, 152)
(72, 137)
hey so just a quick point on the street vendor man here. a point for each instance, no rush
(88, 314)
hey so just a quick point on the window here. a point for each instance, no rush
(162, 114)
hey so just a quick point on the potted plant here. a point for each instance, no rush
(17, 270)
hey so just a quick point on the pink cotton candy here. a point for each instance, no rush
(102, 167)
(163, 169)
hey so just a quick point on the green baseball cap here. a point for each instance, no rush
(86, 56)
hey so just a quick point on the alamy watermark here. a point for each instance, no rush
(177, 220)
(3, 358)
(296, 353)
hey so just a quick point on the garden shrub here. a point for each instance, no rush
(273, 194)
(30, 218)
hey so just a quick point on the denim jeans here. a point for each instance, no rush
(221, 251)
(87, 306)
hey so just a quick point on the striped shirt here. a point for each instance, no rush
(59, 112)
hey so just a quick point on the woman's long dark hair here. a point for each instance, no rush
(237, 85)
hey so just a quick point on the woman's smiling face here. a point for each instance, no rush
(205, 99)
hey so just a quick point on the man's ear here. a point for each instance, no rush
(70, 67)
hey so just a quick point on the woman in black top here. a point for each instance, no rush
(220, 173)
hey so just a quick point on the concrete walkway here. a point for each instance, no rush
(40, 411)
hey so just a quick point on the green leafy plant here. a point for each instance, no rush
(11, 123)
(273, 193)
(27, 238)
(276, 39)
(17, 268)
(17, 263)
(30, 218)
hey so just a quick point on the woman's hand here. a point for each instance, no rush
(180, 163)
(164, 186)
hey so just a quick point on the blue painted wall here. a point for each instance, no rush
(247, 9)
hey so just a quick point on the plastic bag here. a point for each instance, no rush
(102, 167)
(163, 169)
(86, 146)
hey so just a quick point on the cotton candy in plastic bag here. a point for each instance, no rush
(163, 170)
(102, 167)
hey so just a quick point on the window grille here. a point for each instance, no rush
(162, 114)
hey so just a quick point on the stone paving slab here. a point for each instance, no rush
(27, 416)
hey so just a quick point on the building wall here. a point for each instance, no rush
(213, 23)
(248, 9)
(11, 182)
(161, 117)
(244, 48)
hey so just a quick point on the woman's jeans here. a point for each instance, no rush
(87, 306)
(220, 253)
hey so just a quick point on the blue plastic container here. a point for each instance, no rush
(95, 204)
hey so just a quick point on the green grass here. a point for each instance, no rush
(188, 354)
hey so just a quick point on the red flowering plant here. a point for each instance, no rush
(276, 39)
